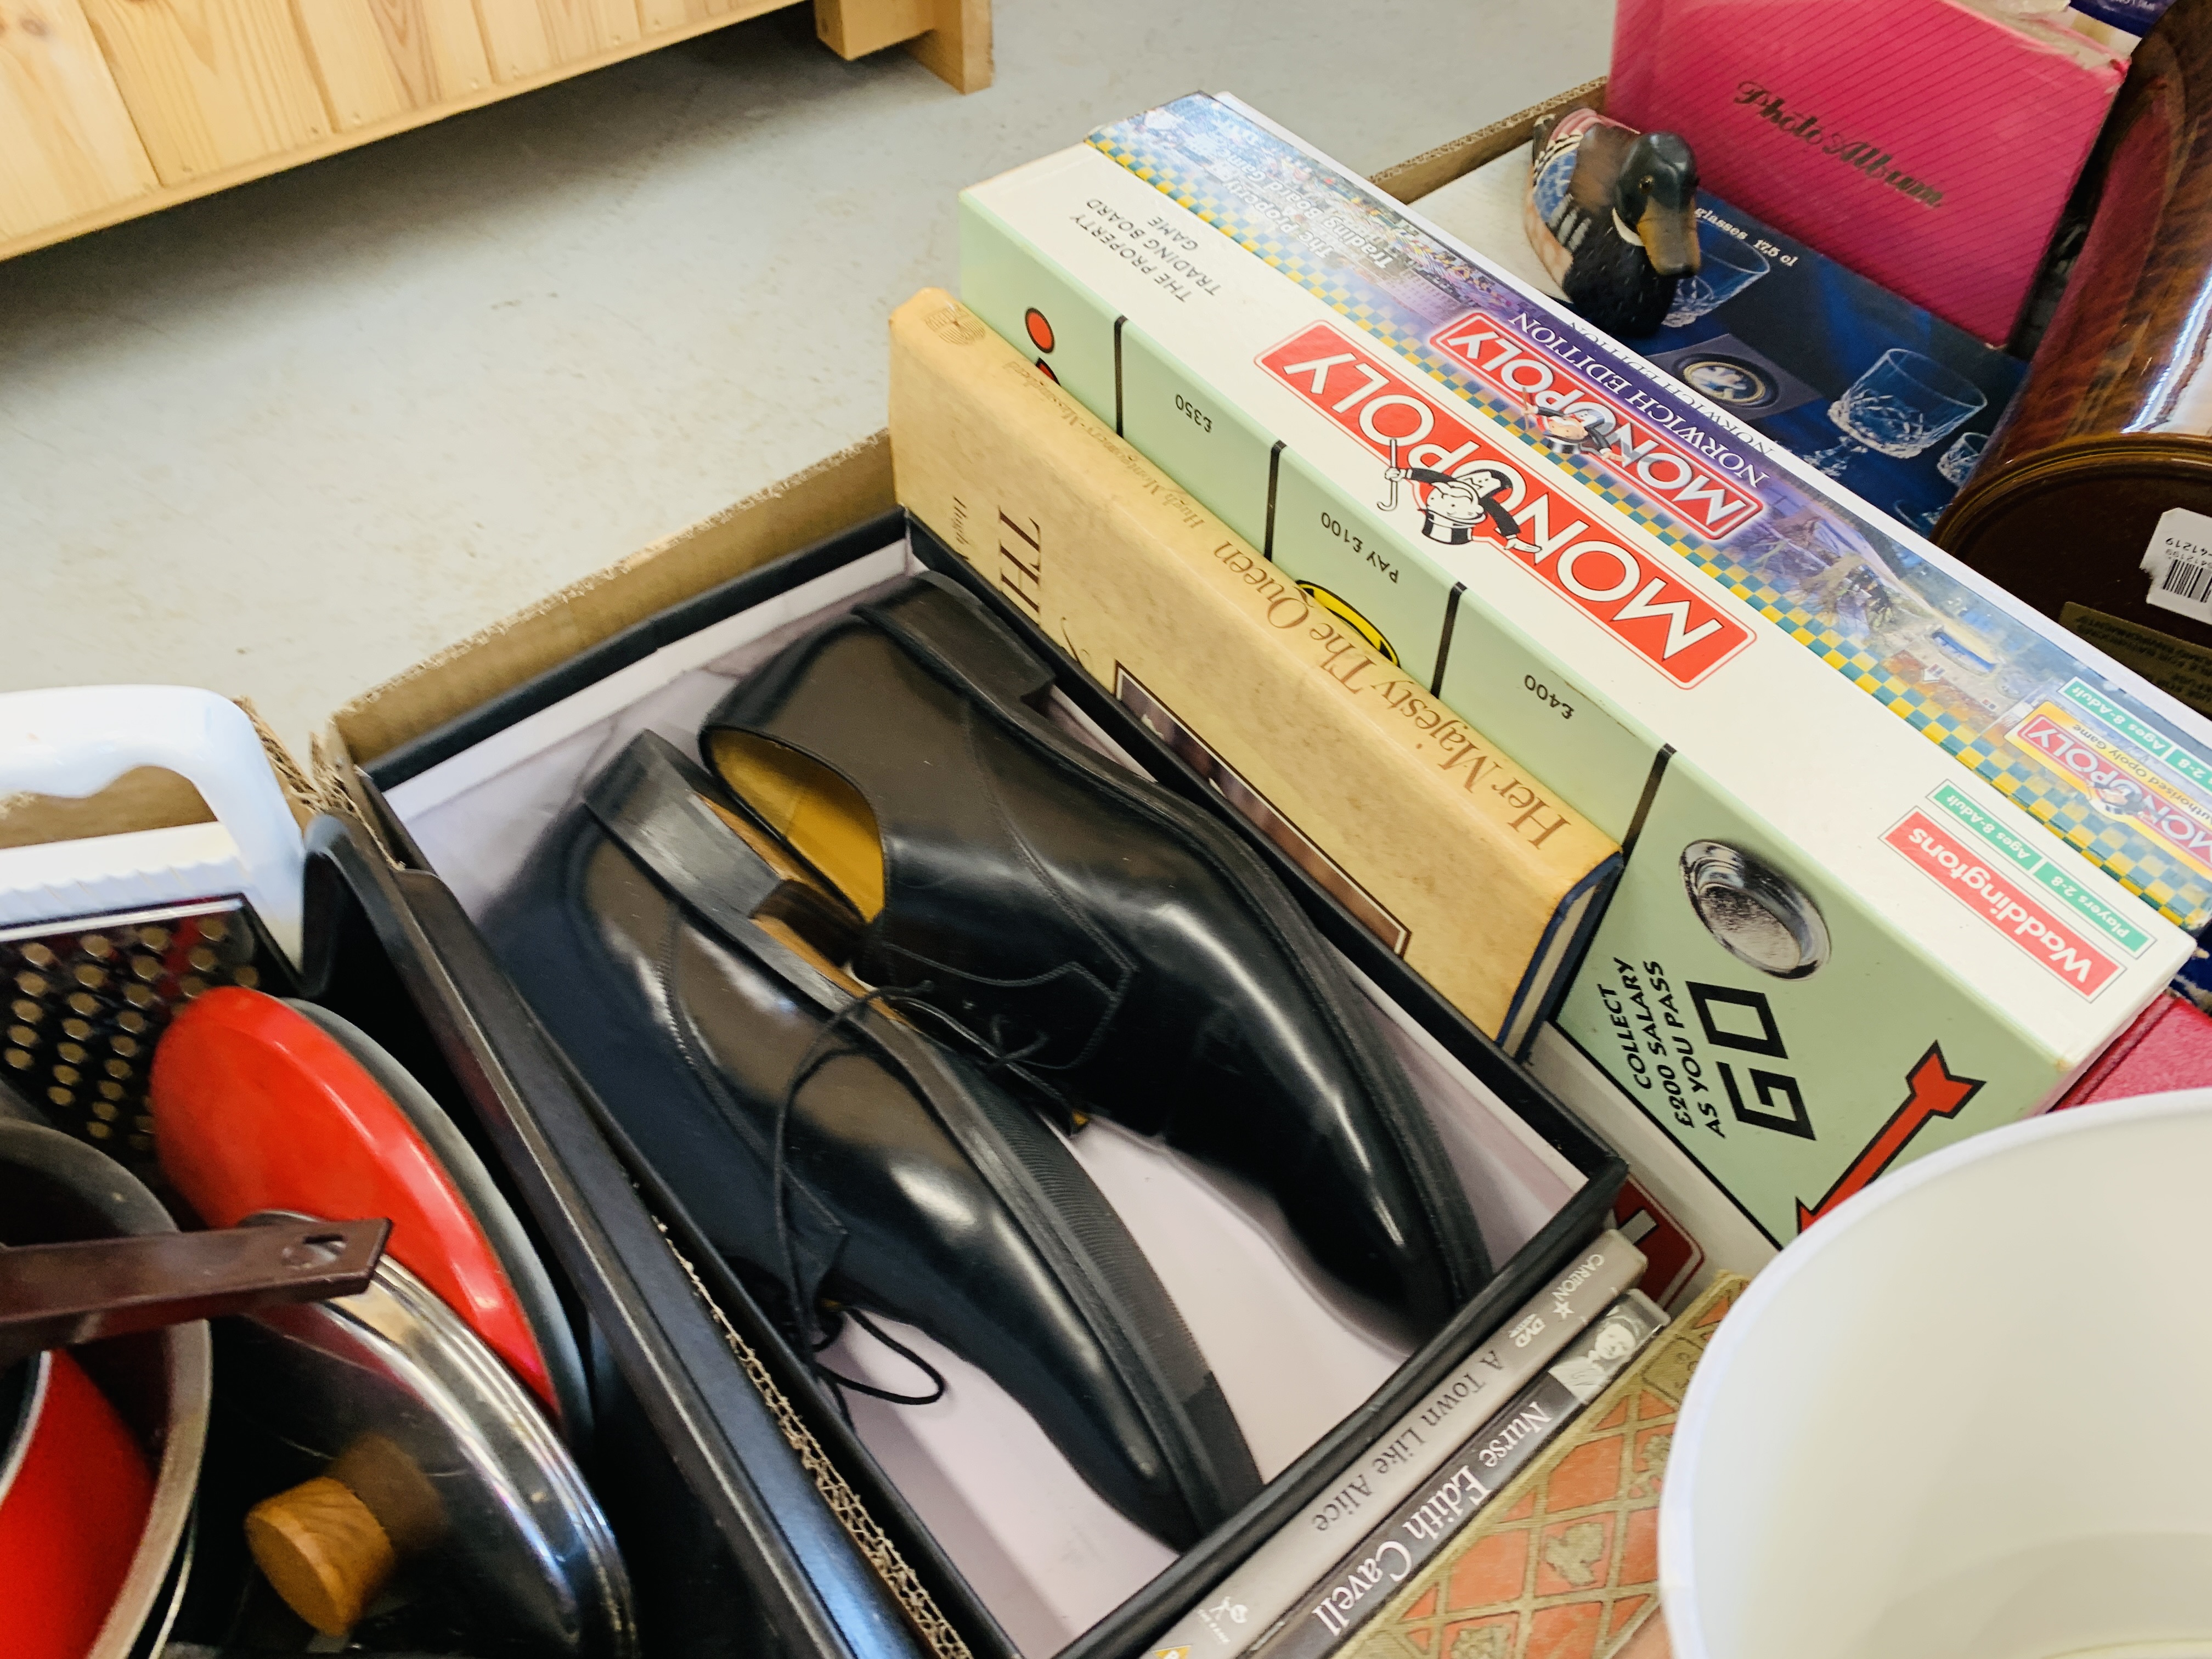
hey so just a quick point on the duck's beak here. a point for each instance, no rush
(1669, 235)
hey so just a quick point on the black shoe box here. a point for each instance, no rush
(754, 1516)
(706, 1500)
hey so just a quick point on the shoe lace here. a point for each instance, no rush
(992, 1050)
(833, 1327)
(827, 1044)
(842, 1034)
(998, 1057)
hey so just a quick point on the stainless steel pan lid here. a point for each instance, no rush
(515, 1523)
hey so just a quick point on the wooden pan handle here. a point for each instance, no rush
(329, 1545)
(322, 1551)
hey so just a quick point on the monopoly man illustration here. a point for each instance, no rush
(1456, 506)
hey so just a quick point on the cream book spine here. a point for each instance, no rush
(1449, 849)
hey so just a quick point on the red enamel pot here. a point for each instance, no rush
(100, 1446)
(74, 1494)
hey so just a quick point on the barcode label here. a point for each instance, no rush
(2189, 581)
(2179, 564)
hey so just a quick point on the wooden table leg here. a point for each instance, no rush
(957, 50)
(951, 37)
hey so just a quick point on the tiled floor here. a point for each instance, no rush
(289, 439)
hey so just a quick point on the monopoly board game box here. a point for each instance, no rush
(1902, 859)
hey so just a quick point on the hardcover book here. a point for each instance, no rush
(1446, 847)
(1564, 1563)
(1867, 800)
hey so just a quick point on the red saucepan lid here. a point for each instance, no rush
(256, 1109)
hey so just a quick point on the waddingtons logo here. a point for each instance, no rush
(1470, 492)
(1863, 154)
(1997, 894)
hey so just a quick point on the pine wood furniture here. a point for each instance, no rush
(112, 108)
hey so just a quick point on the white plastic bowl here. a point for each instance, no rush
(1969, 1414)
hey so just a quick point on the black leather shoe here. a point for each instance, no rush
(688, 970)
(1129, 954)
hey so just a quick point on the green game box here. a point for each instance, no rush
(1903, 856)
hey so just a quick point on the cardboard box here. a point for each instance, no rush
(969, 1521)
(1766, 788)
(742, 1502)
(1447, 849)
(1928, 144)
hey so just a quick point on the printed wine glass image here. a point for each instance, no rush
(1959, 459)
(1725, 268)
(1957, 465)
(1902, 404)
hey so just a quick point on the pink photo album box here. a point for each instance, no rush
(1924, 143)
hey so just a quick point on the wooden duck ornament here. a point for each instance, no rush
(1613, 215)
